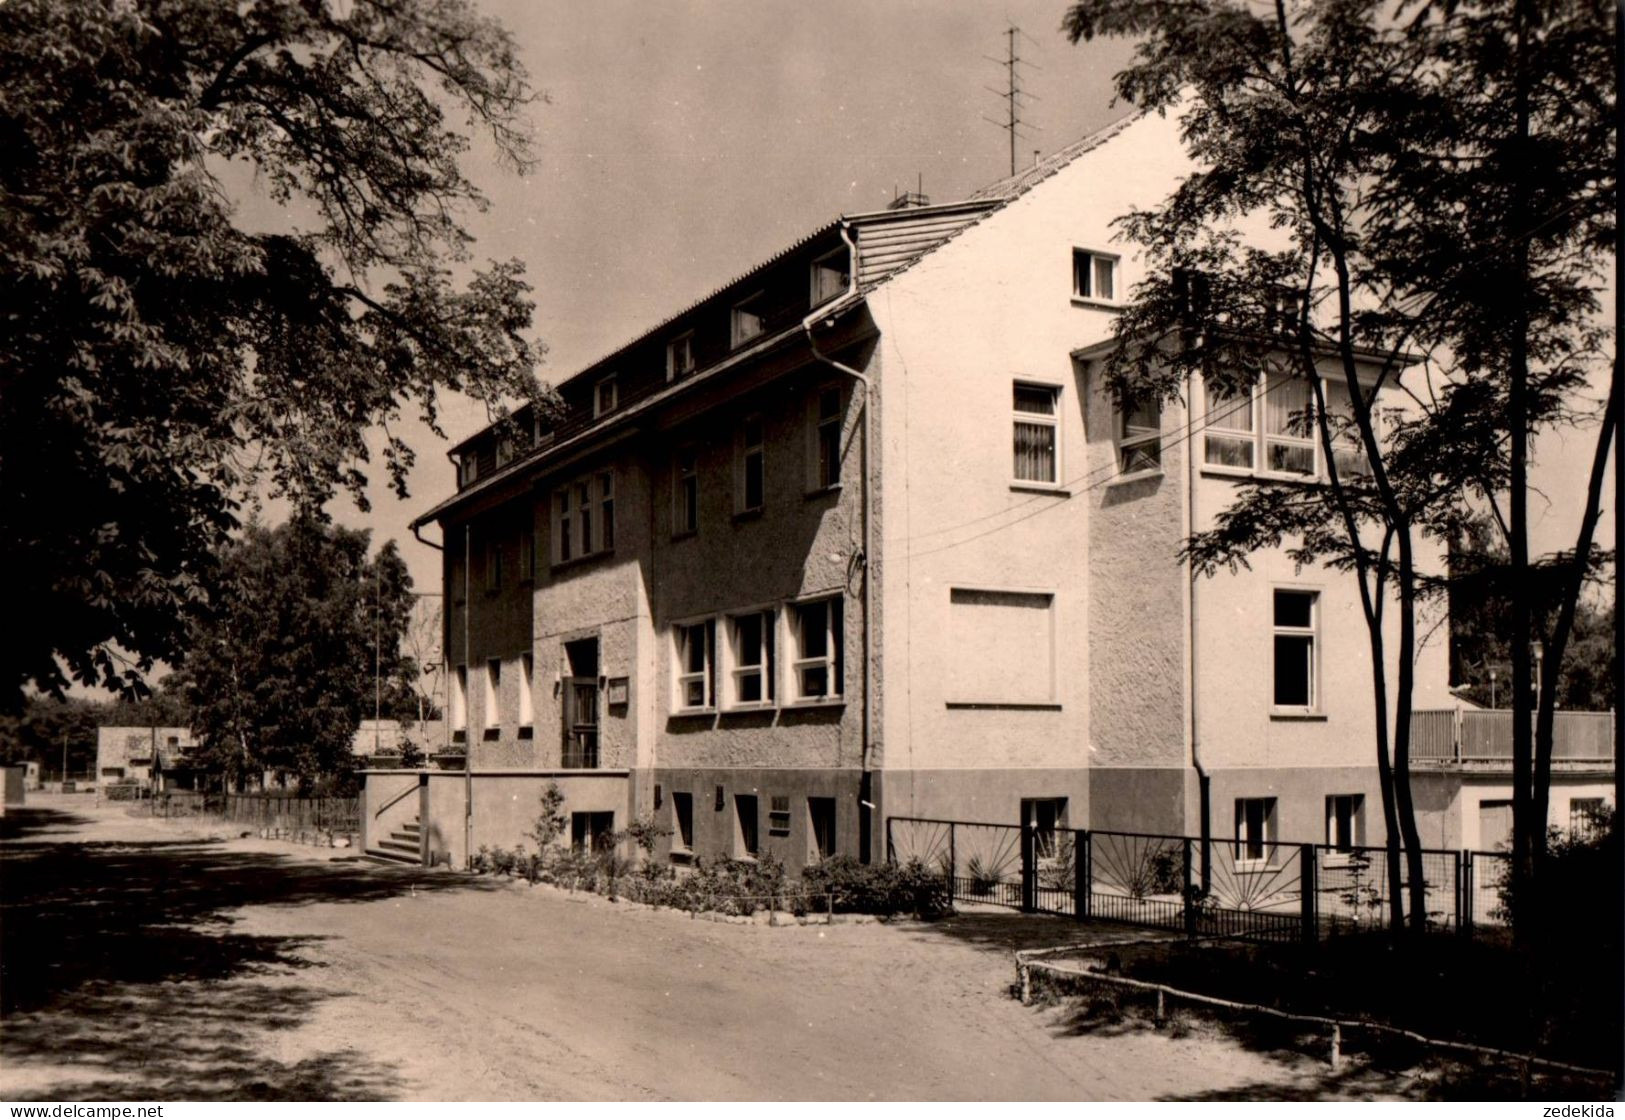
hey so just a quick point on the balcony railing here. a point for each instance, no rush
(1471, 735)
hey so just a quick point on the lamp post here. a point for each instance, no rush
(1493, 675)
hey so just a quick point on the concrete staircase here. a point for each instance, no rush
(403, 847)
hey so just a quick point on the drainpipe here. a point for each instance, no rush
(1203, 788)
(865, 790)
(468, 732)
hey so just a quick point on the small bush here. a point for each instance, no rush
(877, 888)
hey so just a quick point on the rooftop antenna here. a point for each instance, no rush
(1012, 95)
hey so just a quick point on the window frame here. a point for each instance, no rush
(745, 450)
(612, 383)
(815, 850)
(527, 685)
(833, 659)
(1132, 440)
(818, 293)
(1052, 420)
(730, 671)
(682, 524)
(739, 312)
(1095, 258)
(459, 700)
(1312, 633)
(778, 815)
(468, 468)
(1267, 843)
(747, 845)
(580, 504)
(1356, 822)
(682, 675)
(682, 839)
(819, 428)
(491, 698)
(674, 370)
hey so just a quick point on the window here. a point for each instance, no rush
(592, 832)
(680, 356)
(778, 816)
(747, 321)
(1295, 649)
(1139, 438)
(606, 512)
(493, 689)
(682, 811)
(1044, 816)
(605, 396)
(563, 538)
(467, 468)
(1586, 817)
(695, 642)
(751, 464)
(1255, 830)
(1348, 450)
(685, 498)
(504, 452)
(831, 276)
(1229, 439)
(493, 562)
(584, 517)
(750, 660)
(747, 842)
(459, 700)
(1289, 444)
(1094, 276)
(816, 667)
(1007, 639)
(527, 681)
(821, 826)
(1036, 434)
(1345, 821)
(827, 439)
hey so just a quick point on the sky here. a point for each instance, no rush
(682, 143)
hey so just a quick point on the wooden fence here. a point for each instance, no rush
(323, 821)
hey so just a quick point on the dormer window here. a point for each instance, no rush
(467, 468)
(680, 356)
(605, 396)
(831, 276)
(748, 319)
(504, 452)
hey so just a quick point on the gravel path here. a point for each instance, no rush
(146, 960)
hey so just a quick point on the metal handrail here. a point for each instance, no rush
(392, 802)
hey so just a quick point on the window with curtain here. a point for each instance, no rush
(1037, 435)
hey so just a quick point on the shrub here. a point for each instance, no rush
(984, 877)
(879, 888)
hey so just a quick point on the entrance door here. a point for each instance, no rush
(581, 705)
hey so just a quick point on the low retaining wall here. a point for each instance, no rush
(458, 812)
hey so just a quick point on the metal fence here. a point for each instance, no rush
(306, 819)
(1221, 887)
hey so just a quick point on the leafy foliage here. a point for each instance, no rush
(281, 670)
(161, 359)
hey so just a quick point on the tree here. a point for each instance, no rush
(281, 670)
(160, 359)
(1332, 121)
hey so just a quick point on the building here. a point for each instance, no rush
(125, 755)
(860, 535)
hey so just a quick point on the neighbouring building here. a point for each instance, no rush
(860, 535)
(126, 755)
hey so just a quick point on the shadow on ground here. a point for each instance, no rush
(121, 977)
(1005, 931)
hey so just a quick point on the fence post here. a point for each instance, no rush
(1467, 893)
(1185, 886)
(1082, 874)
(953, 863)
(1029, 870)
(1307, 868)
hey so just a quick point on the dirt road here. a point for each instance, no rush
(145, 961)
